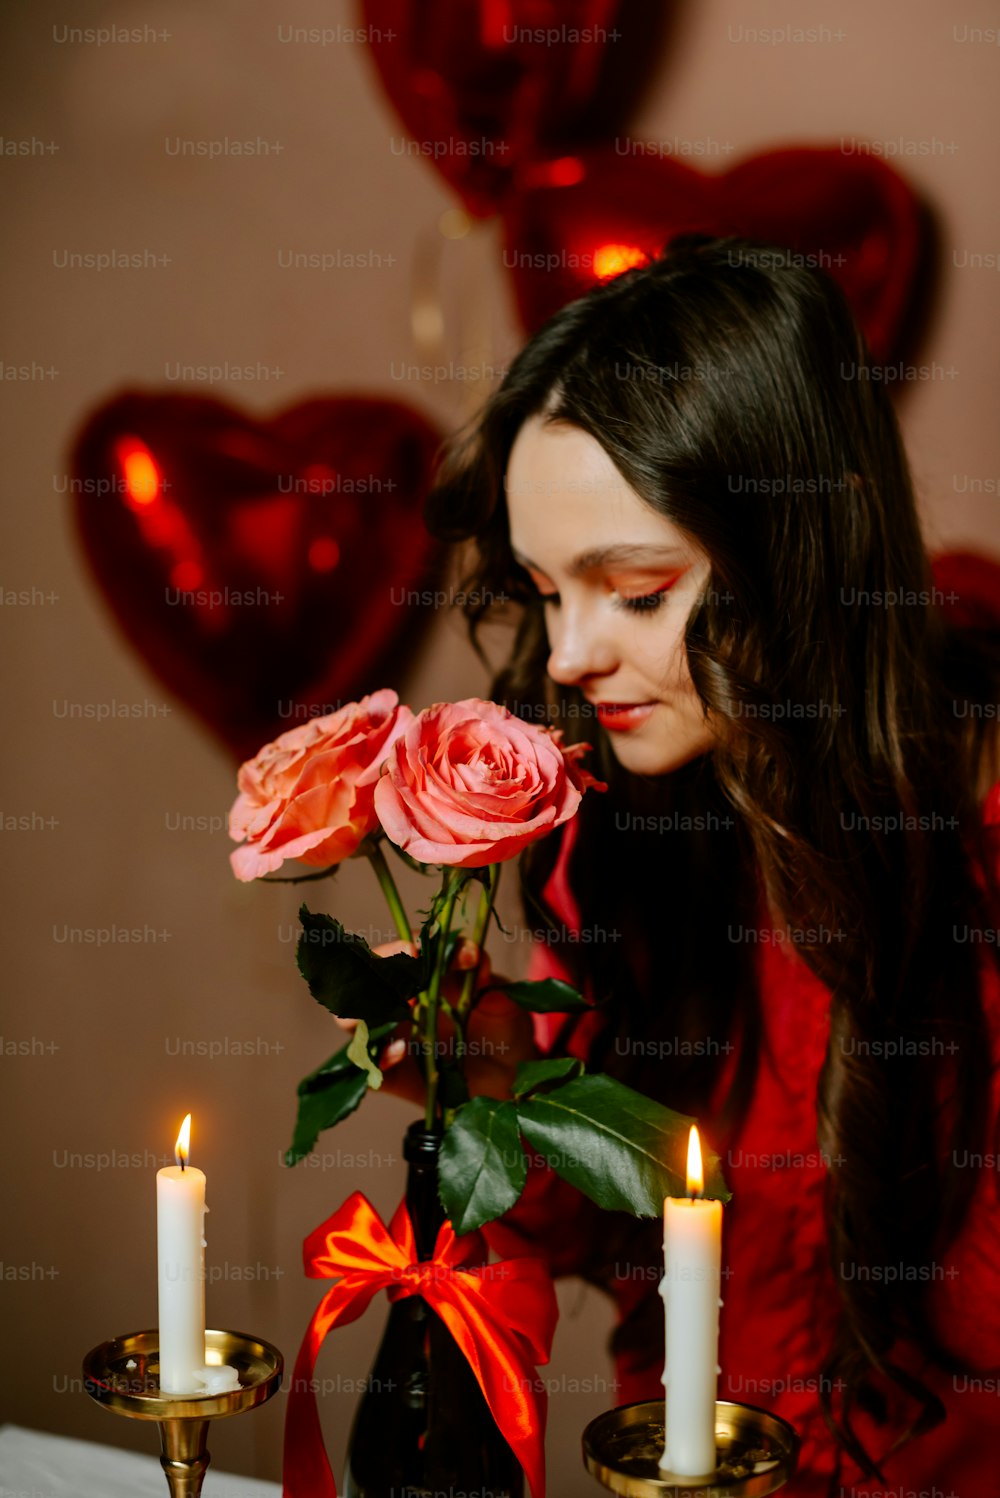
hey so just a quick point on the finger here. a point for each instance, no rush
(392, 1050)
(390, 948)
(392, 1054)
(468, 954)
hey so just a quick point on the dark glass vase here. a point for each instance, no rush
(423, 1428)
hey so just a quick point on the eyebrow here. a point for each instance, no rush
(621, 554)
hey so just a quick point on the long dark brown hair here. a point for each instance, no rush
(736, 396)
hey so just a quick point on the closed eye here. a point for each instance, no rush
(646, 603)
(640, 603)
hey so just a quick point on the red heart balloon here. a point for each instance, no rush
(578, 219)
(482, 83)
(266, 570)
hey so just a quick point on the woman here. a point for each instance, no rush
(695, 497)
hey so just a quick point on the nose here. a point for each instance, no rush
(578, 648)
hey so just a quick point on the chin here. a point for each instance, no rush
(653, 756)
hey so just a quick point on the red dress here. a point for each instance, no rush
(780, 1298)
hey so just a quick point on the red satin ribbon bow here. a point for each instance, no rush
(502, 1316)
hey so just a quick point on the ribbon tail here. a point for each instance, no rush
(306, 1471)
(517, 1398)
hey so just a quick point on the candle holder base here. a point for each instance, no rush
(124, 1376)
(756, 1453)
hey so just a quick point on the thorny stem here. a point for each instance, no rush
(429, 1026)
(486, 898)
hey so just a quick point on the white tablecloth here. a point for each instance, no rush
(34, 1463)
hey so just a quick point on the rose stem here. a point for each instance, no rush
(388, 885)
(452, 884)
(396, 909)
(486, 897)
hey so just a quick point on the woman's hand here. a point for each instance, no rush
(500, 1034)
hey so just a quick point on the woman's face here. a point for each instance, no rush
(619, 582)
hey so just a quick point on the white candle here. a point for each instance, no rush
(692, 1245)
(180, 1250)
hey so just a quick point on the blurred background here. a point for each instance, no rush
(215, 214)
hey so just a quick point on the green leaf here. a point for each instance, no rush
(618, 1147)
(340, 1063)
(531, 1075)
(545, 996)
(324, 1107)
(330, 1093)
(481, 1168)
(359, 1054)
(349, 979)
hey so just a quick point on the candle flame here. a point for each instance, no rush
(183, 1146)
(695, 1170)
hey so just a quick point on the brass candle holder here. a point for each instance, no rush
(124, 1376)
(756, 1453)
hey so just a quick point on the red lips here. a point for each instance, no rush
(623, 715)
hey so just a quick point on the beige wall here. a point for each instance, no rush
(103, 1022)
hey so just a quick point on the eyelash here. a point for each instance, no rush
(643, 603)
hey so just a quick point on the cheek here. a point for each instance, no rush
(661, 651)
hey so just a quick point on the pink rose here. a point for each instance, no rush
(309, 795)
(469, 783)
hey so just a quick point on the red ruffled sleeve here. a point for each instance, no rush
(968, 588)
(964, 1302)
